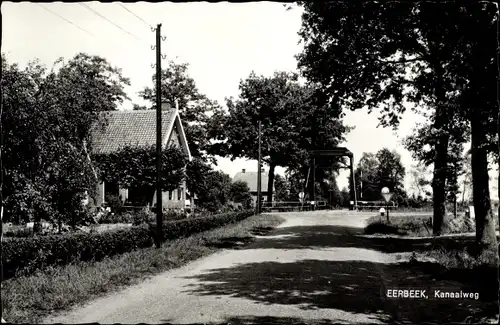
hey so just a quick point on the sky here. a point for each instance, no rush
(222, 42)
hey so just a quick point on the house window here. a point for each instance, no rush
(179, 194)
(170, 195)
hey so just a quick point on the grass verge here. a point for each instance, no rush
(445, 258)
(457, 252)
(29, 299)
(417, 226)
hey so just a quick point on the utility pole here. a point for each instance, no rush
(313, 162)
(259, 170)
(159, 196)
(353, 182)
(361, 183)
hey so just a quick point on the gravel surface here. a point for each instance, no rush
(312, 268)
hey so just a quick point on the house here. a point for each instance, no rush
(139, 128)
(251, 179)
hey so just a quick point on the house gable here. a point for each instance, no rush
(177, 137)
(137, 128)
(251, 179)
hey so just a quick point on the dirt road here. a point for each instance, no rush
(314, 268)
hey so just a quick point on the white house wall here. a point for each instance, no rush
(174, 138)
(175, 202)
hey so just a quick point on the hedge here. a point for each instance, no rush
(185, 227)
(26, 255)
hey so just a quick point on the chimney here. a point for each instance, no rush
(243, 171)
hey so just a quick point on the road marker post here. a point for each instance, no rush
(386, 194)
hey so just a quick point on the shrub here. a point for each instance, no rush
(143, 216)
(115, 203)
(26, 255)
(19, 232)
(183, 228)
(381, 227)
(200, 211)
(31, 254)
(169, 215)
(125, 217)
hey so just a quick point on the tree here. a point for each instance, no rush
(391, 173)
(196, 109)
(367, 183)
(420, 181)
(197, 171)
(383, 169)
(296, 182)
(467, 180)
(360, 54)
(345, 197)
(282, 188)
(135, 167)
(373, 45)
(46, 121)
(217, 192)
(290, 122)
(479, 105)
(239, 192)
(335, 198)
(422, 143)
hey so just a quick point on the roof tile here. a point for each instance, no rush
(129, 128)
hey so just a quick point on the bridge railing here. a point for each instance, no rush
(375, 205)
(283, 206)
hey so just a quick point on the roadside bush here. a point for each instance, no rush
(110, 218)
(143, 216)
(19, 232)
(200, 211)
(31, 254)
(26, 255)
(115, 203)
(183, 228)
(169, 215)
(381, 227)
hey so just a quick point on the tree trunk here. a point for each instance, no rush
(498, 189)
(270, 183)
(485, 223)
(463, 195)
(442, 119)
(439, 177)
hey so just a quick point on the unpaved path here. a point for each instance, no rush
(312, 268)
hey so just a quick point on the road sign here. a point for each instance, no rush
(386, 194)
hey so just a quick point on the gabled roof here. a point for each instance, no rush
(251, 179)
(136, 128)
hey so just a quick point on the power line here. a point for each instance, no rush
(135, 15)
(69, 21)
(95, 12)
